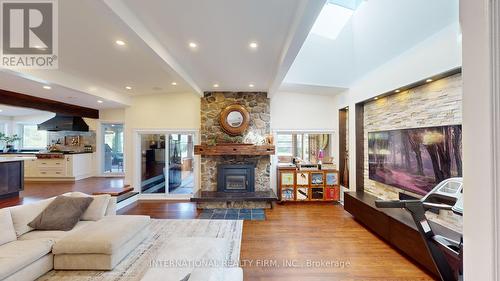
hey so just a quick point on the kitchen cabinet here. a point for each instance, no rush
(66, 168)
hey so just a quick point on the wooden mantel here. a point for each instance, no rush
(233, 149)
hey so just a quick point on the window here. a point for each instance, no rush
(32, 138)
(284, 145)
(305, 146)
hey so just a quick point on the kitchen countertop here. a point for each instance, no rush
(15, 158)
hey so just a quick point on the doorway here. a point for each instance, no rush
(112, 138)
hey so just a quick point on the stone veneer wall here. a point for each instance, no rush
(435, 104)
(258, 105)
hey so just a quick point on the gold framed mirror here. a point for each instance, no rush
(234, 119)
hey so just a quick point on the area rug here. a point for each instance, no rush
(163, 232)
(233, 214)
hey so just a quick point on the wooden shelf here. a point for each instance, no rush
(233, 149)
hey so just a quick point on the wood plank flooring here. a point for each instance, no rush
(302, 241)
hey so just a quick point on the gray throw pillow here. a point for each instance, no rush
(62, 214)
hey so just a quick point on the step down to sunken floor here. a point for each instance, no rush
(121, 194)
(214, 196)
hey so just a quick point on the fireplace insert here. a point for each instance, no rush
(235, 178)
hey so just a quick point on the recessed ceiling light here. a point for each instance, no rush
(397, 91)
(47, 87)
(128, 87)
(216, 85)
(174, 83)
(120, 43)
(428, 80)
(253, 45)
(375, 98)
(99, 101)
(193, 45)
(251, 85)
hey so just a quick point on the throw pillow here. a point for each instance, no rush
(62, 214)
(97, 208)
(7, 233)
(23, 214)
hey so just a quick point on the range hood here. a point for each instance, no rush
(64, 123)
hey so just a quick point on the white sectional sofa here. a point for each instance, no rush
(98, 242)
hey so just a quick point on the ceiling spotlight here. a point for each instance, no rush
(216, 85)
(251, 85)
(120, 43)
(253, 45)
(193, 45)
(47, 87)
(397, 91)
(128, 87)
(99, 101)
(428, 80)
(174, 83)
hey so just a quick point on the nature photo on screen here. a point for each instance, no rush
(415, 159)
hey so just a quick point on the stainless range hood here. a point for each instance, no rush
(64, 123)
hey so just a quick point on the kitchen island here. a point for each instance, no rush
(12, 175)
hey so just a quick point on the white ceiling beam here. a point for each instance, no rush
(131, 20)
(304, 19)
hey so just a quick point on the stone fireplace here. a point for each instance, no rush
(215, 170)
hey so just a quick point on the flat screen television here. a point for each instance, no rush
(415, 159)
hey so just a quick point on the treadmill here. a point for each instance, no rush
(445, 252)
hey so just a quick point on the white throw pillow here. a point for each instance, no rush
(7, 232)
(24, 214)
(97, 208)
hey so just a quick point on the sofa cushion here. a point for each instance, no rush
(24, 214)
(97, 208)
(54, 235)
(105, 236)
(7, 233)
(19, 254)
(61, 214)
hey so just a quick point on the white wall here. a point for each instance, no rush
(436, 54)
(479, 145)
(303, 111)
(157, 112)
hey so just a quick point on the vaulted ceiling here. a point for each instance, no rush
(192, 46)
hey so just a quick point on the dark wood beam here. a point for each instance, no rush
(22, 100)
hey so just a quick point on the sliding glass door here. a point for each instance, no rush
(167, 164)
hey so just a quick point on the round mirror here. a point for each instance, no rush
(235, 119)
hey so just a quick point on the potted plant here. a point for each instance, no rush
(9, 141)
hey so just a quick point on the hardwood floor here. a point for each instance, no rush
(337, 246)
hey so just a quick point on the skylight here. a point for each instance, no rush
(333, 17)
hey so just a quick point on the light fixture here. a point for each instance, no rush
(128, 87)
(1, 110)
(99, 101)
(193, 45)
(120, 43)
(174, 83)
(375, 98)
(253, 45)
(216, 85)
(47, 87)
(251, 85)
(397, 91)
(428, 80)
